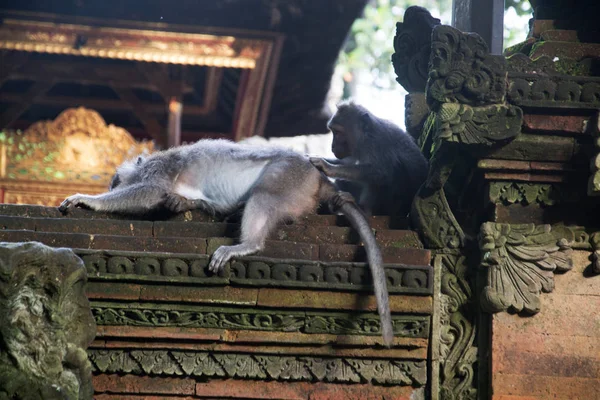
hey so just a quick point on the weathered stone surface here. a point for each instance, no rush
(553, 124)
(559, 35)
(537, 148)
(398, 238)
(340, 301)
(390, 255)
(565, 50)
(45, 324)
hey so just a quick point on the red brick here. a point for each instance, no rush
(574, 282)
(113, 290)
(72, 240)
(546, 387)
(565, 50)
(143, 384)
(200, 294)
(504, 165)
(390, 255)
(528, 363)
(195, 229)
(542, 25)
(17, 223)
(294, 250)
(561, 315)
(21, 210)
(560, 35)
(398, 238)
(316, 234)
(340, 301)
(106, 227)
(249, 389)
(172, 245)
(555, 123)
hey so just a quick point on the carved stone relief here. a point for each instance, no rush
(155, 315)
(252, 271)
(45, 324)
(521, 261)
(546, 194)
(259, 366)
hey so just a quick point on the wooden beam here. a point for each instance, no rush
(174, 131)
(484, 17)
(14, 112)
(9, 62)
(154, 128)
(86, 73)
(100, 104)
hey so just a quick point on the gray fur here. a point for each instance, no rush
(384, 162)
(219, 176)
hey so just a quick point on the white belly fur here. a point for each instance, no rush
(224, 186)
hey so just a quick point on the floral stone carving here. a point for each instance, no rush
(520, 261)
(45, 324)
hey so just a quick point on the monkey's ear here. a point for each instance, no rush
(366, 122)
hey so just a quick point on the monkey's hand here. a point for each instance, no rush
(177, 204)
(77, 200)
(321, 164)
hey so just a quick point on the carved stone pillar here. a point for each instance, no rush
(46, 324)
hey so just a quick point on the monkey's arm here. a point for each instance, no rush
(134, 199)
(353, 172)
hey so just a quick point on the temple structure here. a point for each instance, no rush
(494, 277)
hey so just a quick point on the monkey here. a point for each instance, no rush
(378, 156)
(272, 184)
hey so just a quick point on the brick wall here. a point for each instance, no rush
(556, 353)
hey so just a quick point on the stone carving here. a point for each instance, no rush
(485, 125)
(259, 366)
(462, 70)
(254, 271)
(77, 146)
(594, 179)
(595, 242)
(282, 321)
(431, 215)
(412, 45)
(521, 63)
(45, 324)
(541, 90)
(529, 193)
(520, 262)
(457, 350)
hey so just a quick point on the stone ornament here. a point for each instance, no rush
(521, 261)
(260, 366)
(45, 324)
(412, 45)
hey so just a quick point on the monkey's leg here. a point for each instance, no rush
(260, 216)
(177, 204)
(134, 199)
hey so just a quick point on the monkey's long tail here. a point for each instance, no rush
(345, 203)
(358, 221)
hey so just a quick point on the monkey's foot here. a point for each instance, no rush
(77, 200)
(220, 258)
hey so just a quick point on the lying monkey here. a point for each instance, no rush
(219, 176)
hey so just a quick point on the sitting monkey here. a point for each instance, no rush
(219, 176)
(378, 156)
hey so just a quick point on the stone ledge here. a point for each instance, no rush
(251, 271)
(253, 297)
(252, 342)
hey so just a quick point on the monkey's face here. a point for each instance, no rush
(341, 146)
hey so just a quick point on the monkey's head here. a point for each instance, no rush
(125, 172)
(347, 126)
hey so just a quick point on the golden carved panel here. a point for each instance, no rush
(77, 150)
(131, 44)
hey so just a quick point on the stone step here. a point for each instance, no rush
(173, 229)
(17, 210)
(274, 248)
